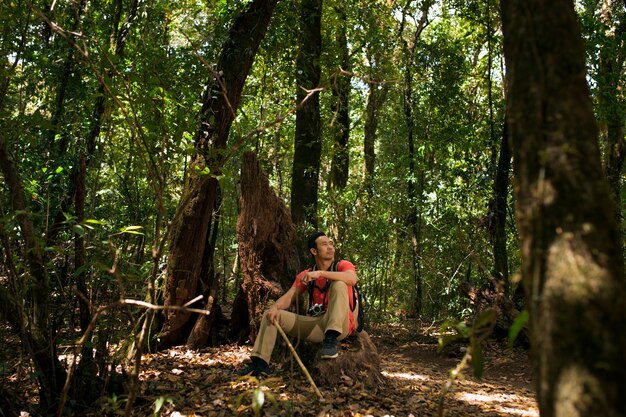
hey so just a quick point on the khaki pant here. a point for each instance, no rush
(337, 317)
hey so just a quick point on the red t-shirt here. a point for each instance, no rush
(318, 296)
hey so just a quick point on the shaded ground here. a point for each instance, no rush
(203, 383)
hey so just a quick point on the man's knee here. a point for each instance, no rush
(339, 286)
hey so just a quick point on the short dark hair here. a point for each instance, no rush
(311, 243)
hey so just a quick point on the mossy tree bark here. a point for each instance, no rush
(221, 98)
(572, 267)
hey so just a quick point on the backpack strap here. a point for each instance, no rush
(323, 290)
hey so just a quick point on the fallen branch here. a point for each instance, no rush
(295, 355)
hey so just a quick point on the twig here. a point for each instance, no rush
(295, 355)
(92, 325)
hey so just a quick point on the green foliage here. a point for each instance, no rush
(475, 335)
(158, 404)
(518, 324)
(257, 394)
(126, 95)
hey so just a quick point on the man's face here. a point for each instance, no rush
(325, 249)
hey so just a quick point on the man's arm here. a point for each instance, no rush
(349, 276)
(283, 303)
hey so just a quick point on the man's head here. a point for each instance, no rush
(321, 246)
(312, 238)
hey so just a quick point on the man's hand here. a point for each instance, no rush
(311, 276)
(272, 314)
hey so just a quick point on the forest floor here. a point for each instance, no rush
(204, 383)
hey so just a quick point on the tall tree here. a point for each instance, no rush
(340, 87)
(308, 142)
(340, 124)
(187, 255)
(498, 212)
(29, 313)
(414, 219)
(571, 250)
(500, 167)
(610, 97)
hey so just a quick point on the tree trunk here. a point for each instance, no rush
(208, 286)
(267, 236)
(414, 218)
(308, 143)
(219, 102)
(611, 106)
(33, 325)
(498, 213)
(375, 99)
(340, 130)
(340, 163)
(96, 121)
(571, 250)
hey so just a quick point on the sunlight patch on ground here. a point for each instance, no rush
(503, 403)
(404, 375)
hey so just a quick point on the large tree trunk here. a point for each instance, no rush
(219, 103)
(308, 142)
(572, 267)
(267, 251)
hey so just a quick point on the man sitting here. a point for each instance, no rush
(330, 286)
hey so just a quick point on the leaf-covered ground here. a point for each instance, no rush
(203, 383)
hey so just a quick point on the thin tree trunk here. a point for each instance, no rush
(573, 271)
(308, 142)
(340, 130)
(119, 38)
(220, 101)
(414, 193)
(340, 163)
(611, 105)
(35, 332)
(499, 210)
(375, 99)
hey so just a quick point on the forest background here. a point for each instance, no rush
(123, 130)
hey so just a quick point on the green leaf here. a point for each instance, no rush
(518, 324)
(133, 230)
(95, 221)
(79, 230)
(463, 329)
(258, 398)
(158, 403)
(486, 318)
(444, 340)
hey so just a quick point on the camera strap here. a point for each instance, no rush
(324, 290)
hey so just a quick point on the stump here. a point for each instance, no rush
(358, 363)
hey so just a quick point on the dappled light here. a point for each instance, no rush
(503, 403)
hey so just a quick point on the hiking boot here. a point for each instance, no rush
(257, 367)
(329, 347)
